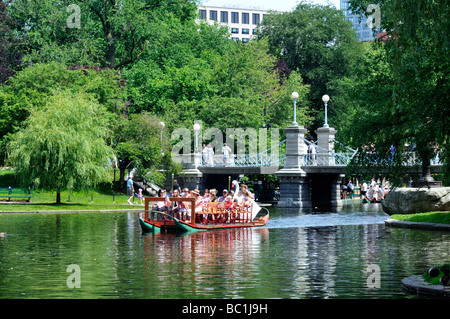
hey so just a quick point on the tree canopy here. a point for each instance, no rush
(406, 89)
(320, 44)
(63, 145)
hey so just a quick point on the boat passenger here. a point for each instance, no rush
(161, 206)
(246, 200)
(213, 195)
(184, 205)
(175, 205)
(228, 202)
(245, 188)
(224, 196)
(198, 201)
(206, 196)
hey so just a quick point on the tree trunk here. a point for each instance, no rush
(58, 196)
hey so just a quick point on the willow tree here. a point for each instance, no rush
(63, 145)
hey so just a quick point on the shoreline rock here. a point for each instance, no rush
(416, 200)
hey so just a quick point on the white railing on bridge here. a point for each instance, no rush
(276, 157)
(270, 157)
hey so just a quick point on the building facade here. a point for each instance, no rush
(241, 22)
(362, 30)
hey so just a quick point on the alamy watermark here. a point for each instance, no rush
(74, 279)
(373, 20)
(373, 276)
(74, 20)
(236, 143)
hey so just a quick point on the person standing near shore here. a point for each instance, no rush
(130, 190)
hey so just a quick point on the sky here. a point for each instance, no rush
(279, 5)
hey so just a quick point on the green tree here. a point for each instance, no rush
(109, 33)
(31, 88)
(10, 53)
(63, 145)
(414, 82)
(139, 143)
(317, 41)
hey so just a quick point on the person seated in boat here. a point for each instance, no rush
(198, 201)
(223, 197)
(246, 200)
(175, 209)
(185, 206)
(213, 195)
(228, 202)
(162, 206)
(245, 188)
(184, 192)
(206, 196)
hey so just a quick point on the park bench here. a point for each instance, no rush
(13, 193)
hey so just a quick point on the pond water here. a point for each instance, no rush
(297, 255)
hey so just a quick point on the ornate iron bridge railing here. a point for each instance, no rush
(276, 157)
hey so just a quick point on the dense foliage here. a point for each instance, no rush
(405, 94)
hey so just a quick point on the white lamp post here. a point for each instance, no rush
(325, 100)
(294, 96)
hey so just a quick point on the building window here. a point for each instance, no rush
(213, 15)
(234, 30)
(234, 17)
(224, 16)
(235, 39)
(245, 40)
(245, 18)
(202, 14)
(245, 31)
(254, 31)
(255, 18)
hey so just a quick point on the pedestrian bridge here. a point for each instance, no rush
(304, 176)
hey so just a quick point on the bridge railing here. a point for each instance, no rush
(327, 159)
(273, 156)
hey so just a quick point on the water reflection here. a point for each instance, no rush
(297, 255)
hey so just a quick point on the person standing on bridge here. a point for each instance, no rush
(312, 152)
(210, 155)
(226, 151)
(205, 155)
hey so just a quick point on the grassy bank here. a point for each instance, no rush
(102, 198)
(442, 217)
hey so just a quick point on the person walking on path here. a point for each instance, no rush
(130, 190)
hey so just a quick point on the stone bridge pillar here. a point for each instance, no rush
(294, 190)
(191, 178)
(325, 137)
